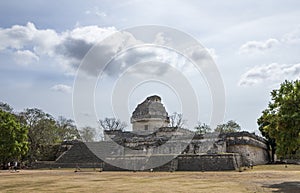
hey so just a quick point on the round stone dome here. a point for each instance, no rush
(149, 115)
(150, 108)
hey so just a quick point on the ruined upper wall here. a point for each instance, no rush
(150, 108)
(252, 148)
(244, 138)
(149, 116)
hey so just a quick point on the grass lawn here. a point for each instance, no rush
(267, 178)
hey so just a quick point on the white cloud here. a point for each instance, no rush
(62, 88)
(273, 73)
(96, 11)
(90, 34)
(18, 37)
(270, 73)
(161, 39)
(258, 46)
(67, 47)
(25, 57)
(201, 55)
(292, 37)
(212, 53)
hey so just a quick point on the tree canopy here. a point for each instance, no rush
(66, 129)
(44, 131)
(230, 126)
(202, 128)
(5, 107)
(13, 137)
(280, 122)
(87, 134)
(32, 134)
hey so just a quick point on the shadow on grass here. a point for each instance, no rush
(286, 187)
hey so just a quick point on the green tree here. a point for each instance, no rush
(202, 128)
(264, 123)
(280, 122)
(13, 138)
(42, 131)
(45, 133)
(230, 126)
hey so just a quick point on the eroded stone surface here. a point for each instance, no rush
(153, 139)
(149, 115)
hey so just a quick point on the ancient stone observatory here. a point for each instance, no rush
(152, 139)
(149, 116)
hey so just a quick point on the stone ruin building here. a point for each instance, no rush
(149, 116)
(152, 142)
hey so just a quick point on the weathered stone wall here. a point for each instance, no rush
(212, 152)
(80, 155)
(207, 145)
(250, 154)
(216, 162)
(52, 164)
(148, 126)
(252, 148)
(140, 163)
(205, 162)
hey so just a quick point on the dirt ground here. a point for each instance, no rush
(268, 178)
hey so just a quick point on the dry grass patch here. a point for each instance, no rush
(261, 179)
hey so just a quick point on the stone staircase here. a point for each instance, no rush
(78, 153)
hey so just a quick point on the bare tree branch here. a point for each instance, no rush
(176, 120)
(112, 124)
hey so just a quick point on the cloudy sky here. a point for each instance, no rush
(255, 45)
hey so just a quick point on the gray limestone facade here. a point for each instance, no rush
(151, 139)
(149, 116)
